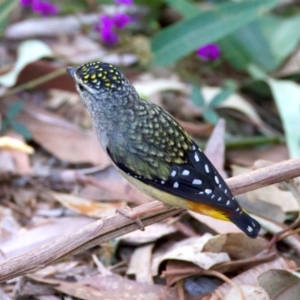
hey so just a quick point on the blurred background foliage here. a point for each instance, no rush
(241, 46)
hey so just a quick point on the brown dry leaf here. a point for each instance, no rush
(7, 164)
(270, 211)
(112, 287)
(203, 129)
(64, 140)
(242, 250)
(237, 245)
(42, 231)
(19, 155)
(218, 226)
(111, 185)
(41, 68)
(280, 284)
(291, 66)
(9, 227)
(190, 250)
(147, 85)
(56, 98)
(215, 147)
(140, 264)
(14, 156)
(249, 277)
(247, 157)
(270, 194)
(62, 267)
(177, 270)
(87, 207)
(248, 293)
(151, 234)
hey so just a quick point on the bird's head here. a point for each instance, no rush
(100, 83)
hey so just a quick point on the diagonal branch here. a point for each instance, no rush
(105, 230)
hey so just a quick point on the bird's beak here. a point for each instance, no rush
(71, 71)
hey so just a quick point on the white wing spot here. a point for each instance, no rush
(249, 228)
(186, 172)
(237, 209)
(253, 224)
(196, 157)
(233, 198)
(208, 191)
(162, 182)
(194, 147)
(173, 173)
(201, 193)
(228, 202)
(219, 199)
(197, 181)
(217, 179)
(176, 185)
(212, 196)
(206, 168)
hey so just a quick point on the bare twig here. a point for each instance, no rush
(265, 176)
(113, 227)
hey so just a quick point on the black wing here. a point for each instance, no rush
(199, 181)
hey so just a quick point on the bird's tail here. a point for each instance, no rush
(246, 223)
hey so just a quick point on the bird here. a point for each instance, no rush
(152, 150)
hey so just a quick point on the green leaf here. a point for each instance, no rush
(287, 97)
(220, 97)
(248, 45)
(257, 72)
(4, 126)
(210, 116)
(21, 129)
(266, 42)
(186, 8)
(205, 27)
(197, 97)
(283, 35)
(6, 7)
(14, 110)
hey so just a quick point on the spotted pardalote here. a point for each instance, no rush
(152, 150)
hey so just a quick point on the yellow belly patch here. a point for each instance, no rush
(206, 210)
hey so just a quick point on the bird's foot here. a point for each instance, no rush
(134, 216)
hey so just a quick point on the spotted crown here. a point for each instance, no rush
(99, 75)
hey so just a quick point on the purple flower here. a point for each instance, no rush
(120, 20)
(209, 52)
(107, 25)
(44, 8)
(124, 2)
(25, 2)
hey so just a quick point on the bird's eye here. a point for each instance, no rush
(81, 87)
